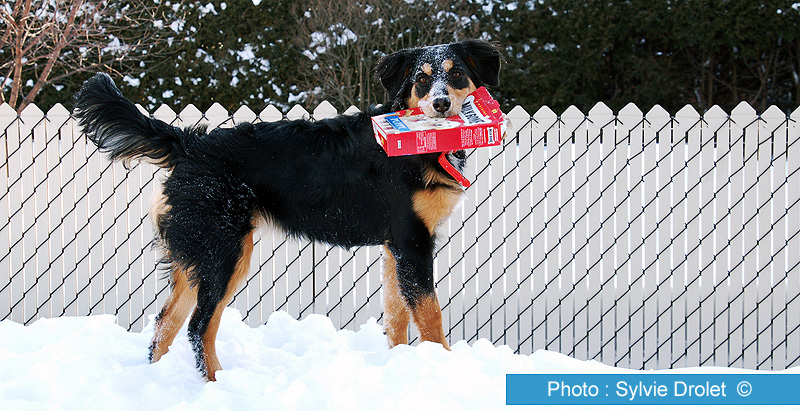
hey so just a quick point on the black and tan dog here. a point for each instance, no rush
(325, 181)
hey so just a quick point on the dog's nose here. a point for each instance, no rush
(441, 104)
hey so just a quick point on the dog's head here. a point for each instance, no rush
(439, 78)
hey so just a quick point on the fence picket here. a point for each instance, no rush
(736, 243)
(692, 122)
(609, 232)
(270, 114)
(650, 219)
(600, 119)
(13, 229)
(515, 225)
(479, 309)
(31, 207)
(771, 318)
(307, 284)
(518, 312)
(298, 112)
(632, 122)
(544, 119)
(580, 321)
(768, 123)
(52, 301)
(244, 114)
(722, 247)
(217, 116)
(496, 259)
(324, 110)
(749, 267)
(792, 307)
(553, 235)
(644, 241)
(452, 265)
(8, 117)
(347, 302)
(565, 189)
(658, 126)
(280, 287)
(707, 273)
(190, 116)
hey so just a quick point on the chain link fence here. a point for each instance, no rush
(645, 241)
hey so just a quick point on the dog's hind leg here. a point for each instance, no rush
(214, 294)
(396, 313)
(182, 297)
(171, 317)
(208, 230)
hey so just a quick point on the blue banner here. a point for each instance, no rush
(397, 124)
(653, 389)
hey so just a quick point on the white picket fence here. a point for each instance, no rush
(643, 241)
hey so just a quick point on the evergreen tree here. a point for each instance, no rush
(699, 52)
(557, 52)
(232, 52)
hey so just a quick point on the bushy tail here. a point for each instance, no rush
(118, 128)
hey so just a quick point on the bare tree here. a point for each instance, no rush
(47, 41)
(343, 41)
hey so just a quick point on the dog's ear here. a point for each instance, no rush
(393, 71)
(483, 58)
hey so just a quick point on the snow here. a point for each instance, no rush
(246, 53)
(88, 363)
(208, 8)
(177, 25)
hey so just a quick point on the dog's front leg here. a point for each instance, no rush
(396, 313)
(412, 258)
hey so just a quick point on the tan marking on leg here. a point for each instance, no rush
(396, 314)
(180, 302)
(210, 344)
(210, 337)
(428, 318)
(433, 205)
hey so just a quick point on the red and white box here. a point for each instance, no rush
(479, 124)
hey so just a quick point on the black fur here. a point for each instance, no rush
(326, 180)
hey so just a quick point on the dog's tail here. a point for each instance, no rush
(118, 128)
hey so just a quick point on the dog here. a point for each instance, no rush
(326, 181)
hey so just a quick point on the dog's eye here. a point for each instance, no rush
(422, 79)
(455, 74)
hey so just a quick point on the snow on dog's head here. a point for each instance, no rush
(439, 78)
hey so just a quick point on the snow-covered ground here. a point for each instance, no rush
(90, 363)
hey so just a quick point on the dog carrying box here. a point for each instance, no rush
(479, 124)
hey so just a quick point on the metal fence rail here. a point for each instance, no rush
(645, 241)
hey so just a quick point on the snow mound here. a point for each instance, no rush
(85, 363)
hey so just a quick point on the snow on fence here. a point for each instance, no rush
(642, 241)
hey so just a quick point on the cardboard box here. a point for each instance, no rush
(479, 124)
